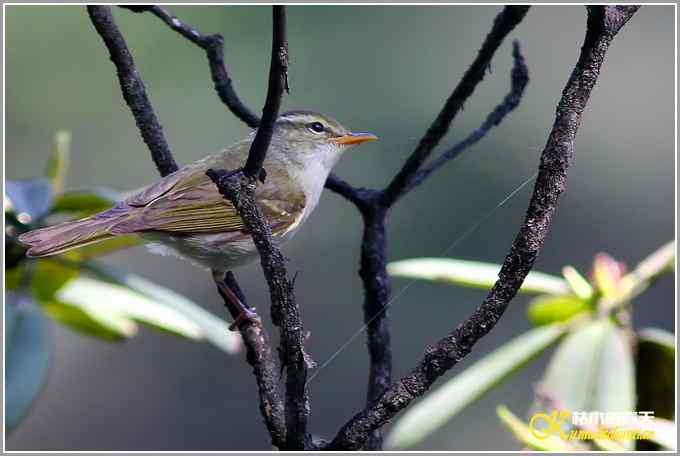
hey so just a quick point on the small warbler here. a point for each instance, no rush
(183, 213)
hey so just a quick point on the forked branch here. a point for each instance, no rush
(384, 399)
(604, 22)
(258, 350)
(239, 188)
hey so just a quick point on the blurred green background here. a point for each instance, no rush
(385, 69)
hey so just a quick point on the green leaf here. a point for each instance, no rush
(546, 309)
(592, 370)
(57, 163)
(573, 369)
(615, 390)
(107, 326)
(523, 433)
(443, 403)
(49, 276)
(656, 372)
(471, 274)
(214, 329)
(648, 271)
(27, 351)
(578, 284)
(81, 203)
(104, 301)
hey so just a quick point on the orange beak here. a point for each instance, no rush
(355, 138)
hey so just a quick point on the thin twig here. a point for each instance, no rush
(213, 45)
(604, 22)
(133, 90)
(239, 188)
(519, 79)
(504, 23)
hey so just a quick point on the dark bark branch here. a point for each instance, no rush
(377, 289)
(358, 196)
(504, 23)
(239, 188)
(132, 86)
(604, 22)
(258, 351)
(374, 204)
(213, 45)
(385, 400)
(278, 82)
(519, 79)
(259, 356)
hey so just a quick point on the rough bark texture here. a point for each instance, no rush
(384, 399)
(258, 349)
(133, 89)
(504, 23)
(239, 188)
(603, 24)
(213, 45)
(374, 204)
(265, 369)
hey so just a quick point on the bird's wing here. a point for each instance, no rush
(187, 201)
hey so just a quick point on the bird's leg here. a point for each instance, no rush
(241, 312)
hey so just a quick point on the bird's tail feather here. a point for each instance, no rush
(66, 236)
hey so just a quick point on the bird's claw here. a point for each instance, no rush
(247, 315)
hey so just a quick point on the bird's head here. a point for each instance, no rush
(302, 136)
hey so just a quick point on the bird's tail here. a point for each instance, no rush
(66, 236)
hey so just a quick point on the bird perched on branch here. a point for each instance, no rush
(184, 213)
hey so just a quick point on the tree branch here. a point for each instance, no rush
(132, 86)
(285, 313)
(278, 82)
(258, 351)
(604, 22)
(519, 79)
(374, 204)
(213, 45)
(384, 400)
(259, 356)
(358, 196)
(504, 23)
(239, 188)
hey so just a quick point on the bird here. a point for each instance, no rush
(184, 214)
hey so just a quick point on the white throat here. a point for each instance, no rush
(315, 172)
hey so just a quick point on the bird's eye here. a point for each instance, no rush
(316, 127)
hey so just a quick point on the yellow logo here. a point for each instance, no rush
(543, 425)
(570, 425)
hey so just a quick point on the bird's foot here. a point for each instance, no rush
(243, 314)
(246, 315)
